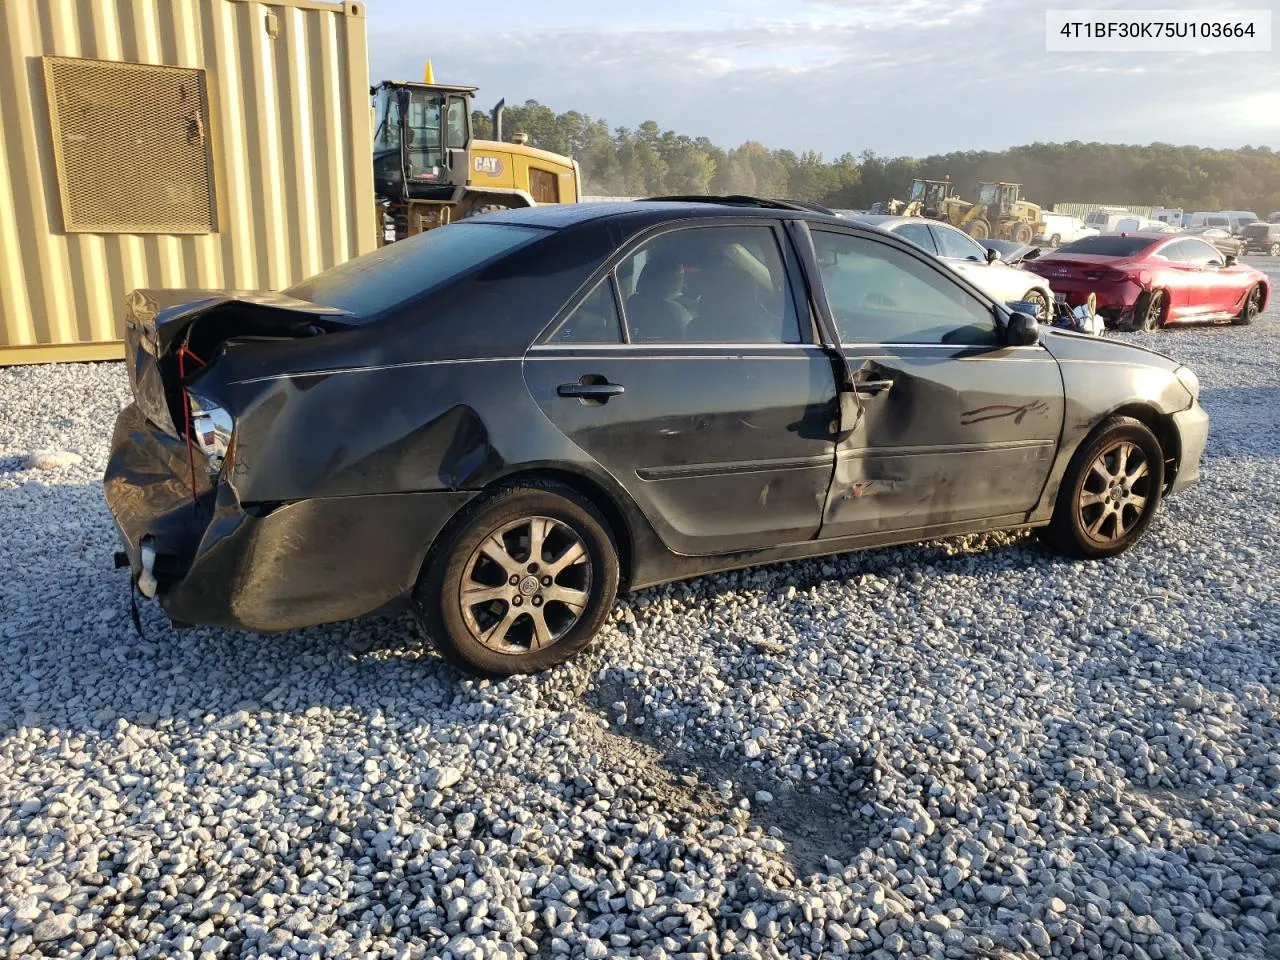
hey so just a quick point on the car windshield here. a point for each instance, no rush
(378, 281)
(1108, 246)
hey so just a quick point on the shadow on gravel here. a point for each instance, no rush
(816, 823)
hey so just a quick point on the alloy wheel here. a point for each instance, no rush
(1041, 302)
(1254, 305)
(525, 585)
(1155, 309)
(1115, 492)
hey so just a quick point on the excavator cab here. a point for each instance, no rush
(429, 169)
(422, 134)
(1000, 199)
(930, 196)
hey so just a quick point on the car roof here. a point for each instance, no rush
(881, 219)
(562, 215)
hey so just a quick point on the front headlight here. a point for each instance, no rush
(211, 428)
(1187, 377)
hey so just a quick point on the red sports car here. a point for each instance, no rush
(1146, 280)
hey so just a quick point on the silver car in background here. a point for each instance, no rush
(965, 255)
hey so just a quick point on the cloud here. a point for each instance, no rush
(914, 77)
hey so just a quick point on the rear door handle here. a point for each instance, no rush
(594, 389)
(870, 388)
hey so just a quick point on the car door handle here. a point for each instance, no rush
(591, 391)
(871, 388)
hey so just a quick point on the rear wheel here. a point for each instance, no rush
(1055, 240)
(1274, 250)
(1110, 492)
(522, 583)
(1252, 307)
(1149, 311)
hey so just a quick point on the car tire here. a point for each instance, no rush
(480, 209)
(1274, 250)
(1097, 514)
(1252, 307)
(1055, 240)
(1036, 295)
(1151, 311)
(497, 633)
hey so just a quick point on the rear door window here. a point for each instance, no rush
(710, 284)
(919, 234)
(595, 320)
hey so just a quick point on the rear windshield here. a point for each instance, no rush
(378, 281)
(1104, 246)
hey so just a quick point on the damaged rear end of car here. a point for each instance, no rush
(169, 481)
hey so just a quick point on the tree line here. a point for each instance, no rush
(649, 161)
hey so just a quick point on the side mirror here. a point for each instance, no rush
(1023, 330)
(992, 255)
(1232, 260)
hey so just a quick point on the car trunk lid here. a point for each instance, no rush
(1080, 266)
(172, 334)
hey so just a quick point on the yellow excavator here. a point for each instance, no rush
(430, 170)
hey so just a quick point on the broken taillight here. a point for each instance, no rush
(211, 430)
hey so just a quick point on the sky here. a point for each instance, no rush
(898, 77)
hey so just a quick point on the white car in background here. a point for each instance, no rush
(971, 260)
(1143, 225)
(1060, 228)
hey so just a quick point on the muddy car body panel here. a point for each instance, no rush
(374, 406)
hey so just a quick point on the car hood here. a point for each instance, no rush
(1068, 345)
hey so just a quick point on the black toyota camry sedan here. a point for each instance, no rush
(503, 422)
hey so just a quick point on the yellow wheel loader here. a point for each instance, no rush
(430, 170)
(935, 199)
(1000, 214)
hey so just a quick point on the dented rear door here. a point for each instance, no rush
(955, 427)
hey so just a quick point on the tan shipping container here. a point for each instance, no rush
(172, 143)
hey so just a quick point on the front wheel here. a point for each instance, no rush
(1055, 240)
(1274, 250)
(521, 583)
(1252, 307)
(480, 209)
(1110, 492)
(1036, 296)
(978, 229)
(1022, 233)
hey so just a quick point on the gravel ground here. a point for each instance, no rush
(966, 748)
